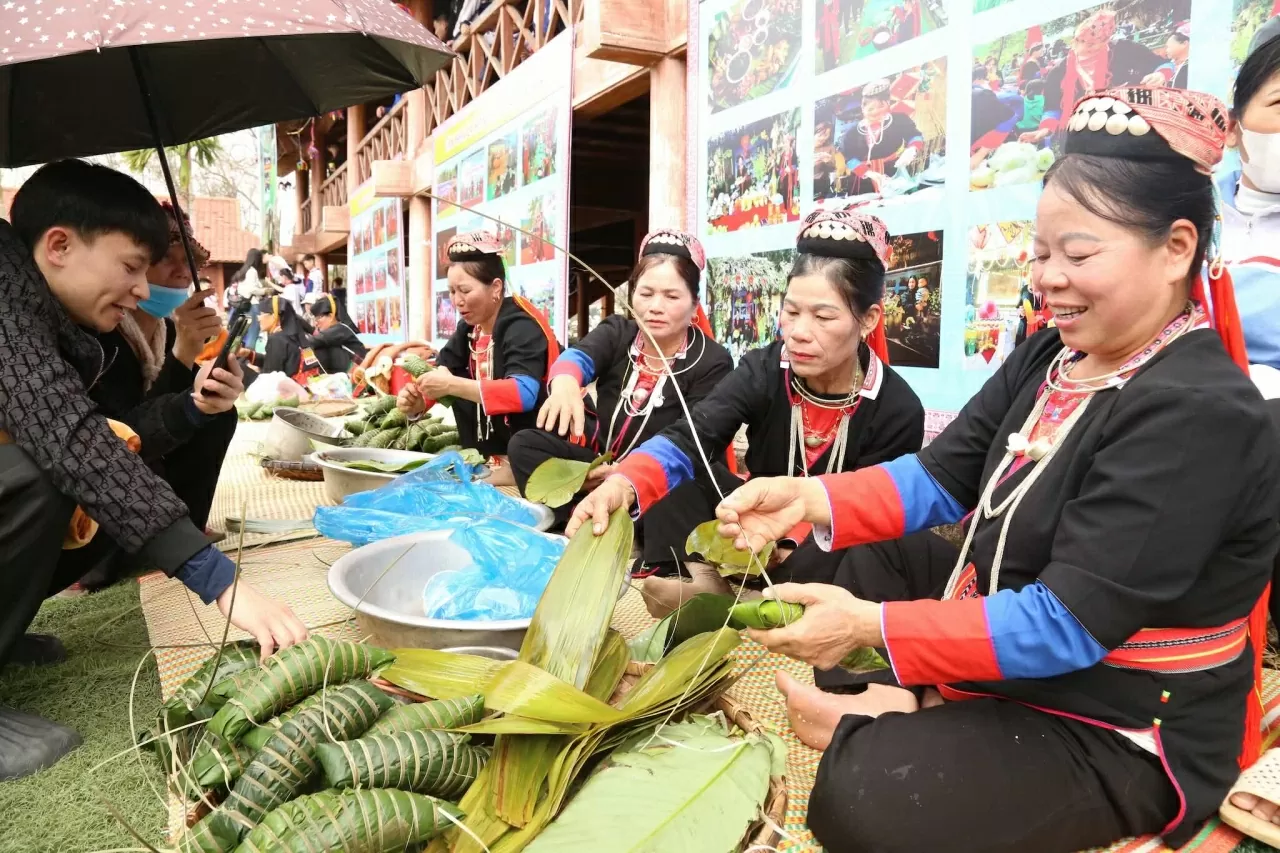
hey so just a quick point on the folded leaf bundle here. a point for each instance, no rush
(556, 480)
(767, 614)
(235, 657)
(351, 822)
(424, 761)
(440, 714)
(705, 539)
(288, 762)
(294, 674)
(215, 764)
(256, 738)
(704, 612)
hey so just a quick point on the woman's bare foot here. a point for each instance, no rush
(814, 714)
(663, 595)
(1256, 806)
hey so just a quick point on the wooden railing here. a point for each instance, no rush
(389, 140)
(333, 192)
(304, 217)
(506, 34)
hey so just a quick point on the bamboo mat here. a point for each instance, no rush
(245, 489)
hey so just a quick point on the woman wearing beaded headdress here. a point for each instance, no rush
(496, 362)
(822, 399)
(1106, 614)
(633, 371)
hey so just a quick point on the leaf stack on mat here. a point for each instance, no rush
(561, 709)
(385, 426)
(282, 728)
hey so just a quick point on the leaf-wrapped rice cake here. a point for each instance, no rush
(424, 761)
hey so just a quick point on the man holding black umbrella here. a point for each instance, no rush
(73, 262)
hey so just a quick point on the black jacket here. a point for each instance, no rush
(161, 416)
(519, 347)
(336, 348)
(47, 365)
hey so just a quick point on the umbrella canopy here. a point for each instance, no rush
(75, 78)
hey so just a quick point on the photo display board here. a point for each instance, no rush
(375, 268)
(507, 156)
(932, 110)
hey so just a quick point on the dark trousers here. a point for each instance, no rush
(983, 776)
(33, 522)
(666, 525)
(978, 776)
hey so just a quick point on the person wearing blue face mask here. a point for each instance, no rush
(148, 385)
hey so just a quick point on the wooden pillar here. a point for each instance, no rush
(667, 143)
(317, 179)
(355, 133)
(301, 186)
(421, 251)
(584, 305)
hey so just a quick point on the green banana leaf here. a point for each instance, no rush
(556, 481)
(704, 612)
(705, 539)
(440, 675)
(383, 467)
(440, 714)
(702, 791)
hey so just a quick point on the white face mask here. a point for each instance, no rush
(1263, 166)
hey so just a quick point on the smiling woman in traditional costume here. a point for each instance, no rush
(821, 400)
(634, 400)
(496, 362)
(1105, 617)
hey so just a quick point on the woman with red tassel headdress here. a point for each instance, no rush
(822, 399)
(632, 369)
(1088, 667)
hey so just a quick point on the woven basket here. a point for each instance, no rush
(293, 470)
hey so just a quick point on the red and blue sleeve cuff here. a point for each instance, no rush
(884, 502)
(575, 363)
(654, 469)
(1024, 634)
(506, 396)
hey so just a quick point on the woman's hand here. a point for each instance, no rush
(564, 412)
(196, 323)
(1035, 137)
(410, 400)
(435, 384)
(598, 475)
(764, 510)
(615, 492)
(834, 624)
(216, 391)
(270, 622)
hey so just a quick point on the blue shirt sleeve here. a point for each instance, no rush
(529, 388)
(1036, 636)
(208, 574)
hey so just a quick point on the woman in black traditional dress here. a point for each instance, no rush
(287, 350)
(633, 400)
(1105, 618)
(821, 400)
(496, 362)
(334, 343)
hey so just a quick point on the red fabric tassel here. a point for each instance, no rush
(700, 320)
(877, 341)
(553, 346)
(1226, 320)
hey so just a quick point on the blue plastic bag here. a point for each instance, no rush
(429, 498)
(510, 568)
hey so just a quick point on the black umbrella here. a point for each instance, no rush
(118, 75)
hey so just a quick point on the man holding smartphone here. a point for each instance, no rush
(72, 265)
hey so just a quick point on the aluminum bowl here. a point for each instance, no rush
(291, 434)
(392, 610)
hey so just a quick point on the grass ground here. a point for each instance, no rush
(60, 810)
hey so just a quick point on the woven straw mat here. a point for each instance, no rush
(755, 689)
(246, 490)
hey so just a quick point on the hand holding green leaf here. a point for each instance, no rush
(720, 552)
(556, 481)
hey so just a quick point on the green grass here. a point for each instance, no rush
(61, 808)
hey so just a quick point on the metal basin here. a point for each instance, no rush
(388, 601)
(291, 433)
(340, 481)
